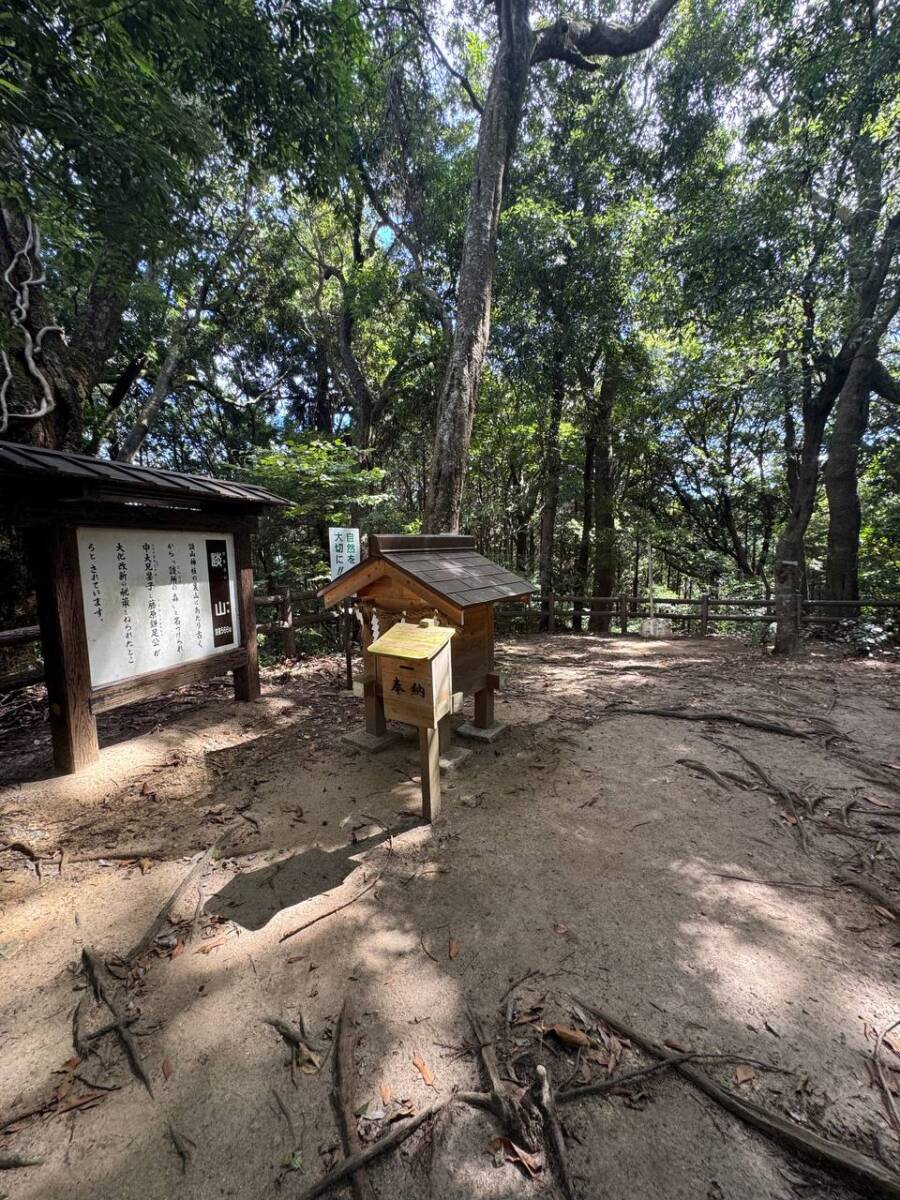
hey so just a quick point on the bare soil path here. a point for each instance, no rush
(585, 854)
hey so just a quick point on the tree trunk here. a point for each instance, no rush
(46, 371)
(551, 487)
(605, 554)
(841, 482)
(154, 406)
(496, 138)
(587, 517)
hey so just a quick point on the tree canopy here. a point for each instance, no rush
(582, 282)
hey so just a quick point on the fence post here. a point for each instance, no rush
(551, 614)
(288, 641)
(704, 615)
(623, 612)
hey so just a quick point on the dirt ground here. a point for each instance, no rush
(579, 859)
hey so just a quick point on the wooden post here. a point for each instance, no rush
(704, 614)
(551, 613)
(348, 643)
(288, 641)
(429, 762)
(246, 679)
(623, 612)
(73, 726)
(799, 602)
(375, 720)
(445, 731)
(484, 707)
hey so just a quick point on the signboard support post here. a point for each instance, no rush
(246, 678)
(348, 642)
(73, 727)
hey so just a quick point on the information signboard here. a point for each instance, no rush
(344, 546)
(155, 599)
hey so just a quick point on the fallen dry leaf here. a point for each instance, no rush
(208, 947)
(178, 949)
(561, 929)
(385, 1092)
(570, 1037)
(166, 1069)
(532, 1163)
(422, 1067)
(146, 864)
(454, 948)
(743, 1074)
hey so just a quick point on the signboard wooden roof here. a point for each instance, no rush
(444, 567)
(418, 642)
(59, 472)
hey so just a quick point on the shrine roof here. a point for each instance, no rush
(446, 564)
(79, 475)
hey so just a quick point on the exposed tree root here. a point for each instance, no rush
(877, 1178)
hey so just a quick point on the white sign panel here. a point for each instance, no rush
(344, 546)
(155, 599)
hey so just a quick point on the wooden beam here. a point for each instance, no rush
(73, 727)
(20, 637)
(155, 683)
(246, 677)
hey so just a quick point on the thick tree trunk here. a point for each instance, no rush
(841, 482)
(551, 487)
(605, 549)
(496, 138)
(48, 371)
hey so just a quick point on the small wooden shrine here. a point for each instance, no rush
(413, 577)
(144, 582)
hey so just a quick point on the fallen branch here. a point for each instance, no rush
(357, 1162)
(340, 907)
(342, 1102)
(162, 917)
(97, 974)
(819, 1149)
(543, 1097)
(302, 1052)
(12, 1162)
(872, 890)
(184, 1147)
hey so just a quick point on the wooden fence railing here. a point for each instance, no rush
(551, 611)
(705, 611)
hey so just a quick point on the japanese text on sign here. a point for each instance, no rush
(155, 599)
(344, 547)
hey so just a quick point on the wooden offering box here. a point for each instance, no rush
(413, 663)
(415, 672)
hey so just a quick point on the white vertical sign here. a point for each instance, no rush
(344, 547)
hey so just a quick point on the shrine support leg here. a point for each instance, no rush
(73, 726)
(375, 721)
(429, 761)
(484, 707)
(246, 679)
